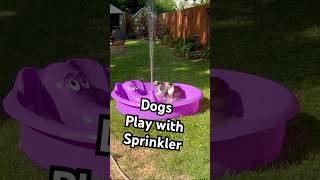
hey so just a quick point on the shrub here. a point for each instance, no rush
(190, 47)
(131, 35)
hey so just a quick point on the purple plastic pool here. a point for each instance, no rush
(57, 109)
(128, 95)
(248, 121)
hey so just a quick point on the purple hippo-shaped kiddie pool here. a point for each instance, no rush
(58, 109)
(249, 115)
(128, 96)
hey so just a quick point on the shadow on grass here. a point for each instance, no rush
(281, 43)
(279, 40)
(204, 105)
(302, 138)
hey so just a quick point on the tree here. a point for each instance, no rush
(204, 1)
(135, 5)
(164, 5)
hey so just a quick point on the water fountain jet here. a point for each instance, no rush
(129, 94)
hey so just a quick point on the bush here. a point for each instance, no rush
(190, 47)
(162, 30)
(131, 35)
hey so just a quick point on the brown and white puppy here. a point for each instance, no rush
(168, 91)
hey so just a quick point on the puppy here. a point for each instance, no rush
(168, 91)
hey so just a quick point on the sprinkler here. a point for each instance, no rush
(128, 94)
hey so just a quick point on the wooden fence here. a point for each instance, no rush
(189, 22)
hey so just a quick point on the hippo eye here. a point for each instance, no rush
(74, 85)
(84, 82)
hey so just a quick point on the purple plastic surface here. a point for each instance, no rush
(253, 137)
(128, 95)
(58, 117)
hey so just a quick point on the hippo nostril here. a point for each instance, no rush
(84, 82)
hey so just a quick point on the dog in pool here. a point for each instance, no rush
(168, 92)
(226, 100)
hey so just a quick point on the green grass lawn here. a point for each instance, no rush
(35, 33)
(279, 40)
(193, 160)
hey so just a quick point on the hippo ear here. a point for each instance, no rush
(33, 95)
(120, 91)
(26, 77)
(93, 71)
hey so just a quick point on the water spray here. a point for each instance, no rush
(151, 36)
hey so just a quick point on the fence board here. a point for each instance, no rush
(192, 21)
